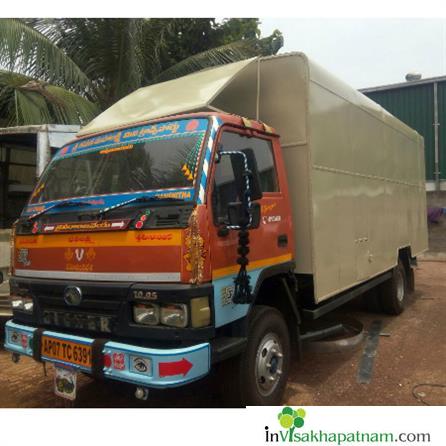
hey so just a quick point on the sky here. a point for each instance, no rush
(367, 52)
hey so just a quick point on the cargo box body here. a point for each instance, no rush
(355, 172)
(356, 176)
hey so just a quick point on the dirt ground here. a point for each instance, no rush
(412, 352)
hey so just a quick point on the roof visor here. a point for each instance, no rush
(195, 92)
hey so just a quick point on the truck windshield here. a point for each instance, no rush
(162, 162)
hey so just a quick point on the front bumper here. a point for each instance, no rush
(111, 303)
(167, 367)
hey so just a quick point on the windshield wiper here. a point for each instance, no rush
(62, 204)
(142, 199)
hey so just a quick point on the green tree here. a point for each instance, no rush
(68, 70)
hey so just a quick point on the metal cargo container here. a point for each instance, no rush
(356, 173)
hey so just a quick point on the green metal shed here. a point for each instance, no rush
(421, 104)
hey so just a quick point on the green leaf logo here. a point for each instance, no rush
(290, 419)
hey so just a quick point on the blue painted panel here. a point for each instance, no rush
(216, 123)
(103, 201)
(196, 359)
(18, 338)
(225, 310)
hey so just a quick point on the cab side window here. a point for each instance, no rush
(225, 190)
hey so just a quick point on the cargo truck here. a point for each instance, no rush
(198, 223)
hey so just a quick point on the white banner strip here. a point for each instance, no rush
(213, 427)
(76, 275)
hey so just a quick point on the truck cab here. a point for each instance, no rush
(124, 260)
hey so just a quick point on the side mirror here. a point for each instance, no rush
(237, 214)
(247, 182)
(238, 166)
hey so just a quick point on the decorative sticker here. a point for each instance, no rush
(116, 149)
(23, 257)
(135, 135)
(195, 250)
(266, 219)
(24, 340)
(265, 208)
(14, 338)
(227, 295)
(141, 365)
(118, 361)
(79, 259)
(190, 165)
(104, 225)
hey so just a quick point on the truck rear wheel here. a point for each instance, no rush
(393, 292)
(258, 376)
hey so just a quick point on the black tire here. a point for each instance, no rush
(393, 293)
(241, 383)
(371, 301)
(410, 280)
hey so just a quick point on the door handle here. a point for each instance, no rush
(282, 240)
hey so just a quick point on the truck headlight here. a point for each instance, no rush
(25, 304)
(174, 315)
(17, 304)
(146, 314)
(28, 305)
(200, 312)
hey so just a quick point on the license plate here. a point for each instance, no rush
(67, 351)
(65, 383)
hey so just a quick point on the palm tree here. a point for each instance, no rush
(39, 82)
(68, 70)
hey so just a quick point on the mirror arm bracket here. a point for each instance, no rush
(242, 286)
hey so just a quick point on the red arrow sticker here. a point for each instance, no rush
(174, 368)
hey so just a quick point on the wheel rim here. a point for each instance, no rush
(269, 364)
(400, 288)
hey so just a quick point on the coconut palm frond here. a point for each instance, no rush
(26, 50)
(111, 52)
(27, 101)
(156, 37)
(69, 107)
(32, 108)
(104, 59)
(232, 52)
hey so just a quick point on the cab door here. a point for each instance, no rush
(270, 243)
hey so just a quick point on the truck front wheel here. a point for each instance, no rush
(258, 376)
(393, 292)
